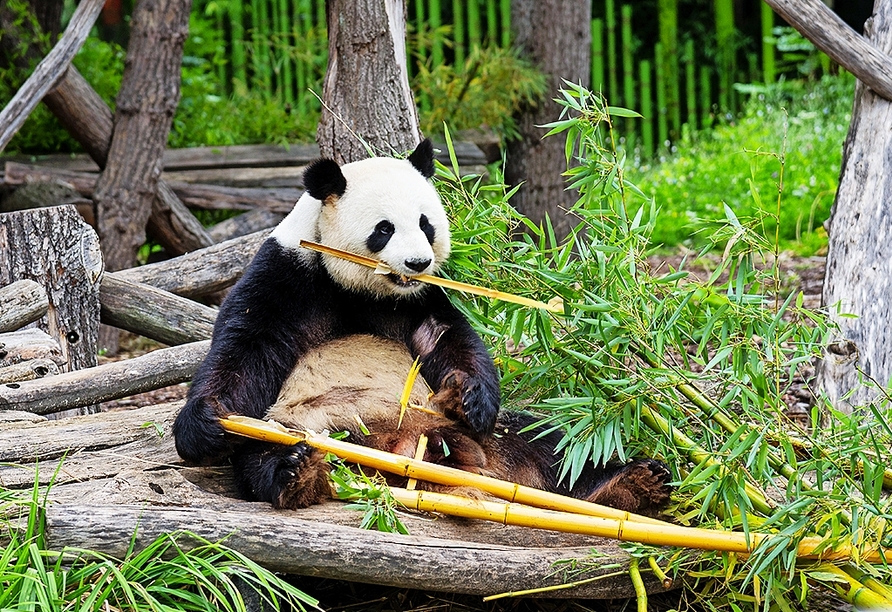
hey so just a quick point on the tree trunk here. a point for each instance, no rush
(366, 96)
(150, 92)
(556, 36)
(859, 260)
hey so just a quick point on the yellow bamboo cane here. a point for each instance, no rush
(422, 470)
(556, 306)
(551, 511)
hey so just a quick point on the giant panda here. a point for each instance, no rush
(297, 319)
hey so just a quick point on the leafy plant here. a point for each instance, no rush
(165, 575)
(369, 494)
(658, 363)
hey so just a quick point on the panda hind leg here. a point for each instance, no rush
(640, 486)
(288, 477)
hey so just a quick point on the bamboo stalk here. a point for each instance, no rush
(431, 472)
(659, 573)
(628, 70)
(237, 29)
(768, 59)
(505, 19)
(492, 25)
(724, 37)
(458, 32)
(647, 110)
(473, 24)
(690, 74)
(529, 507)
(662, 121)
(853, 591)
(706, 96)
(435, 16)
(638, 585)
(598, 55)
(436, 280)
(668, 19)
(610, 16)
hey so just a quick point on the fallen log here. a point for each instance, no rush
(21, 302)
(203, 196)
(49, 71)
(27, 344)
(201, 272)
(153, 313)
(28, 370)
(245, 223)
(160, 368)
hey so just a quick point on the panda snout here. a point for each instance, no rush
(418, 265)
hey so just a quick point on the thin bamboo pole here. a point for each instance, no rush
(613, 92)
(458, 32)
(237, 29)
(706, 96)
(647, 110)
(662, 122)
(598, 55)
(435, 16)
(854, 591)
(474, 28)
(492, 25)
(690, 73)
(724, 35)
(436, 280)
(505, 18)
(768, 59)
(668, 20)
(628, 69)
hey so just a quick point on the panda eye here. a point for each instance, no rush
(380, 236)
(427, 228)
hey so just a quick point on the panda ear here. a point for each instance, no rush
(422, 158)
(323, 178)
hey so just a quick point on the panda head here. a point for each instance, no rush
(383, 208)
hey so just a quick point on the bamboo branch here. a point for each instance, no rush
(556, 307)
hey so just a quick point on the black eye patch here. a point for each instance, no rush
(380, 236)
(427, 228)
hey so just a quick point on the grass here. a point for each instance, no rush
(800, 123)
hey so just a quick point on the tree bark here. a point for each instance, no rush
(556, 36)
(366, 95)
(859, 259)
(56, 249)
(150, 92)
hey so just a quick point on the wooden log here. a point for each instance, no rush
(55, 248)
(201, 272)
(160, 368)
(28, 344)
(246, 223)
(154, 313)
(21, 302)
(49, 71)
(28, 370)
(243, 156)
(203, 196)
(294, 545)
(818, 23)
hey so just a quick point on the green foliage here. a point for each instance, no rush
(370, 495)
(795, 124)
(487, 89)
(623, 371)
(177, 572)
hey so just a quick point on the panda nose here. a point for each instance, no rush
(417, 264)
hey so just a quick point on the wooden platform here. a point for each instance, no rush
(120, 474)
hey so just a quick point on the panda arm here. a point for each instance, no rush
(457, 366)
(269, 319)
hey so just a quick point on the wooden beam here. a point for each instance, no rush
(818, 23)
(160, 368)
(49, 71)
(21, 302)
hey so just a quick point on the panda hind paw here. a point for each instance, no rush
(641, 486)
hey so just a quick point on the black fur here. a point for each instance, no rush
(379, 238)
(429, 231)
(323, 178)
(423, 158)
(283, 306)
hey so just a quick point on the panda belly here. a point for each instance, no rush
(348, 381)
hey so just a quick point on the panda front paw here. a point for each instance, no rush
(288, 477)
(469, 399)
(197, 433)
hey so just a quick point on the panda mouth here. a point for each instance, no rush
(401, 280)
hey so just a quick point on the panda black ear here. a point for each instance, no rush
(323, 178)
(423, 158)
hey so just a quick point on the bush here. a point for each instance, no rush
(792, 130)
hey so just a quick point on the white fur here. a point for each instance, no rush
(377, 189)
